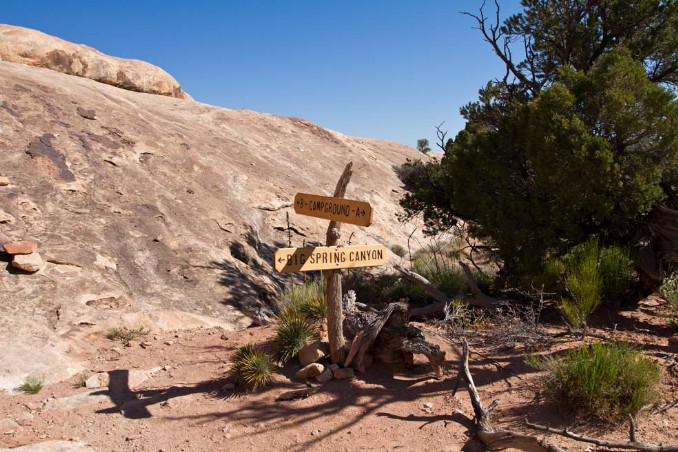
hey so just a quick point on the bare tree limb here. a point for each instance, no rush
(631, 445)
(491, 438)
(477, 297)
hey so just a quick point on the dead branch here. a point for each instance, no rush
(491, 438)
(632, 444)
(477, 297)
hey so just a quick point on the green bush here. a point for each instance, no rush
(669, 289)
(307, 300)
(292, 334)
(615, 268)
(606, 381)
(32, 385)
(252, 366)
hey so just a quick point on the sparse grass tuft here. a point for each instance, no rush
(293, 333)
(398, 250)
(81, 380)
(307, 300)
(32, 385)
(125, 334)
(252, 366)
(606, 381)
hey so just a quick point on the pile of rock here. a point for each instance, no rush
(309, 357)
(25, 256)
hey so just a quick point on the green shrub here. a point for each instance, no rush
(398, 250)
(252, 366)
(669, 289)
(584, 283)
(615, 268)
(32, 385)
(606, 381)
(292, 334)
(307, 300)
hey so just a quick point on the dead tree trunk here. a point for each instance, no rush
(334, 314)
(388, 336)
(496, 439)
(477, 297)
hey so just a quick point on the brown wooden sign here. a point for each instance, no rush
(336, 209)
(288, 260)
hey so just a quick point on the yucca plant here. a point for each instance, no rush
(607, 381)
(252, 366)
(293, 333)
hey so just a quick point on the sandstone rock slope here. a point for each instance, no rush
(26, 46)
(150, 210)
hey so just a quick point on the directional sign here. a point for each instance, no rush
(337, 209)
(288, 260)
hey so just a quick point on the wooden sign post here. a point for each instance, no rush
(337, 209)
(331, 257)
(289, 260)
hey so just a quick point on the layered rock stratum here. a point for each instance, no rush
(154, 210)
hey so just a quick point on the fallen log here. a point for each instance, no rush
(476, 298)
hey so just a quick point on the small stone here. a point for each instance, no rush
(312, 370)
(169, 342)
(87, 114)
(325, 376)
(21, 247)
(313, 352)
(427, 407)
(28, 262)
(315, 432)
(344, 373)
(8, 426)
(4, 181)
(334, 367)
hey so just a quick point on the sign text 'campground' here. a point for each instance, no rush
(289, 260)
(337, 209)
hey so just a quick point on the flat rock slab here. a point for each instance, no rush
(21, 247)
(30, 263)
(53, 446)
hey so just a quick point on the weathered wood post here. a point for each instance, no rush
(334, 293)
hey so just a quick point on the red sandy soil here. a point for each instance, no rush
(183, 406)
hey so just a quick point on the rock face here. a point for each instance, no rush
(159, 212)
(26, 46)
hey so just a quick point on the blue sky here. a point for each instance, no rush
(390, 69)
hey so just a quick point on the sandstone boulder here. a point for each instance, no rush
(4, 181)
(313, 352)
(30, 263)
(312, 370)
(21, 247)
(31, 47)
(344, 373)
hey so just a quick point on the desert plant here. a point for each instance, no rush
(252, 366)
(81, 381)
(292, 334)
(398, 250)
(125, 334)
(305, 300)
(669, 289)
(584, 283)
(615, 269)
(606, 381)
(32, 384)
